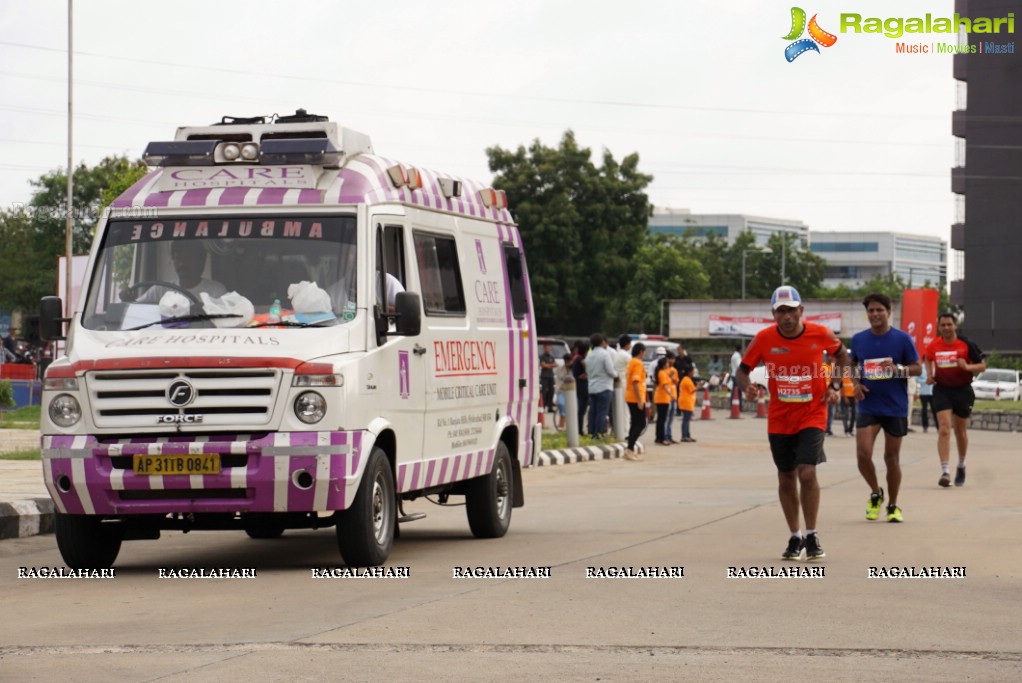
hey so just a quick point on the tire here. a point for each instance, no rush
(365, 531)
(488, 499)
(265, 529)
(85, 542)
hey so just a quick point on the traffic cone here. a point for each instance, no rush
(705, 414)
(761, 407)
(736, 406)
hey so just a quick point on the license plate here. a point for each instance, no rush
(159, 465)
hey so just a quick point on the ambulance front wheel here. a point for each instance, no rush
(86, 542)
(365, 531)
(488, 499)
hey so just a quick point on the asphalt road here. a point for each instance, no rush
(705, 507)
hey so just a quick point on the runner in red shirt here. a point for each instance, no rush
(951, 362)
(797, 418)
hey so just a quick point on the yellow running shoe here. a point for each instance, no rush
(894, 514)
(873, 507)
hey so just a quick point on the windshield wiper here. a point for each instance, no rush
(186, 319)
(292, 323)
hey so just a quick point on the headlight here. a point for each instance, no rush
(65, 410)
(310, 407)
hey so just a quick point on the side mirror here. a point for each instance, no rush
(51, 320)
(408, 308)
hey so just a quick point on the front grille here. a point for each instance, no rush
(227, 398)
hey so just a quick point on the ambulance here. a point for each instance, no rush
(279, 330)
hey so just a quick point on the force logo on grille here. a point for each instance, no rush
(180, 393)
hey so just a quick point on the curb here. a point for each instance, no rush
(568, 456)
(35, 516)
(26, 518)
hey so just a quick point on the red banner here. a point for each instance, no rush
(919, 316)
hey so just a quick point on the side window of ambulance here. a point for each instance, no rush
(516, 280)
(439, 274)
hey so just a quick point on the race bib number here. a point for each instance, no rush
(946, 359)
(794, 388)
(873, 368)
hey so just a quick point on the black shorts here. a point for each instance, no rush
(802, 448)
(893, 426)
(958, 400)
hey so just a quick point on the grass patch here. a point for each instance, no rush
(22, 418)
(1007, 406)
(27, 454)
(553, 441)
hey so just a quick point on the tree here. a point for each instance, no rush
(581, 226)
(34, 236)
(664, 269)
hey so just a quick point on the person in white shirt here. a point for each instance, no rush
(189, 259)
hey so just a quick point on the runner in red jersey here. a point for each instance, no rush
(951, 362)
(797, 418)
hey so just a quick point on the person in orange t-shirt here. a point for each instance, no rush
(848, 405)
(797, 418)
(635, 397)
(687, 402)
(664, 395)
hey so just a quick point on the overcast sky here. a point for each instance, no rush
(855, 137)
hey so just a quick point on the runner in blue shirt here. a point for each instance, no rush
(884, 359)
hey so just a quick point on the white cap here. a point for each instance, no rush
(661, 351)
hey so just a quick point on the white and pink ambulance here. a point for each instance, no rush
(279, 330)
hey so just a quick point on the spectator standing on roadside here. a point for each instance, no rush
(601, 375)
(547, 365)
(672, 407)
(848, 405)
(884, 357)
(687, 403)
(663, 395)
(925, 391)
(635, 398)
(951, 362)
(797, 418)
(578, 371)
(736, 361)
(561, 375)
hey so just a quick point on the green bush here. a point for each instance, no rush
(6, 394)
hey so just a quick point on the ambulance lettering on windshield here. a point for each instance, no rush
(464, 358)
(278, 227)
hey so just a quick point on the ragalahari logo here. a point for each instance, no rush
(816, 35)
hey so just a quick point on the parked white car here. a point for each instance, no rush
(998, 384)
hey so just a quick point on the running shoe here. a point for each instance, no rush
(794, 549)
(873, 506)
(960, 476)
(814, 550)
(945, 480)
(894, 514)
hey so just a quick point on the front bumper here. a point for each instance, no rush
(273, 472)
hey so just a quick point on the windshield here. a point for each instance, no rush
(228, 272)
(997, 376)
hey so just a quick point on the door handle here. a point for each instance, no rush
(418, 350)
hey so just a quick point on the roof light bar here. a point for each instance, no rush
(180, 153)
(298, 151)
(493, 199)
(398, 175)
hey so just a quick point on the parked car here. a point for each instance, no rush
(998, 384)
(558, 347)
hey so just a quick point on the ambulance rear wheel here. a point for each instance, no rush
(365, 531)
(85, 542)
(488, 499)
